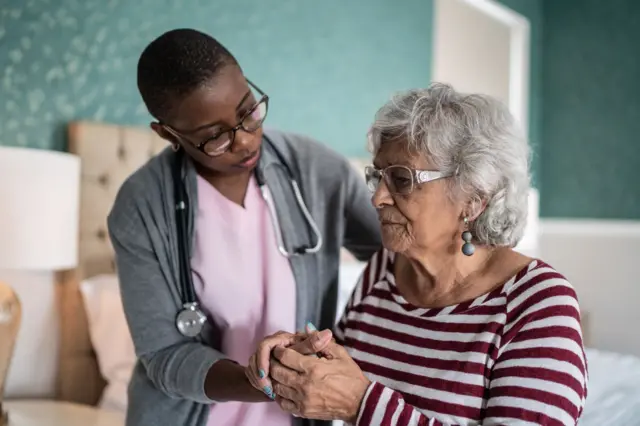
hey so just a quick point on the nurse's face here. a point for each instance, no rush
(202, 123)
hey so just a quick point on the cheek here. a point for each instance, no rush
(432, 218)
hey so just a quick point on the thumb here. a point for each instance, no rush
(314, 343)
(332, 350)
(320, 340)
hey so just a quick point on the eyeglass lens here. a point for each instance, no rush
(399, 179)
(250, 123)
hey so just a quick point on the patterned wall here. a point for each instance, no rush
(326, 65)
(591, 109)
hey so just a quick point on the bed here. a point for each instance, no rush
(109, 154)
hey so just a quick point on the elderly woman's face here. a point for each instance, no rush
(426, 219)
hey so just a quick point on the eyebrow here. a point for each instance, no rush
(206, 126)
(391, 162)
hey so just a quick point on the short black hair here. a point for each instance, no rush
(175, 64)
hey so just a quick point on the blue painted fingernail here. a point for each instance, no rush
(262, 374)
(267, 390)
(311, 327)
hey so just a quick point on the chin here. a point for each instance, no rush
(394, 239)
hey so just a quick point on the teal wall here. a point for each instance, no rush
(326, 65)
(591, 109)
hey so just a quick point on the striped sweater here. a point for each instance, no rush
(513, 356)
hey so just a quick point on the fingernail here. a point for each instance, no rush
(324, 333)
(267, 390)
(311, 327)
(261, 373)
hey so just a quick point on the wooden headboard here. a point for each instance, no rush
(109, 154)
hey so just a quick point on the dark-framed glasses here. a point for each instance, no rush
(220, 141)
(399, 179)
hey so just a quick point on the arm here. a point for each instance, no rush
(178, 366)
(362, 228)
(539, 377)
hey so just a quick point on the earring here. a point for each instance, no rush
(175, 147)
(467, 248)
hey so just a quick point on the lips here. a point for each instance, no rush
(388, 217)
(385, 221)
(250, 160)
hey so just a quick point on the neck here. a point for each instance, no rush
(231, 186)
(441, 278)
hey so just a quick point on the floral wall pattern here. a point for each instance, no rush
(326, 65)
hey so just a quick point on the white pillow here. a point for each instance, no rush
(110, 337)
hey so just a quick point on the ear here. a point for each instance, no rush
(163, 133)
(474, 208)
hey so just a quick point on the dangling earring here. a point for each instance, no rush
(175, 147)
(467, 248)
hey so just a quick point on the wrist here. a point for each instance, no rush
(359, 396)
(226, 381)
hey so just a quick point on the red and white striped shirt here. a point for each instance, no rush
(513, 356)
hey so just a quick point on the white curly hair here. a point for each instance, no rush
(474, 137)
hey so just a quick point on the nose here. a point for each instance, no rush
(381, 196)
(244, 141)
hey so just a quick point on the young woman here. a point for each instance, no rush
(230, 235)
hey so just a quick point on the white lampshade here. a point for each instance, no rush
(39, 209)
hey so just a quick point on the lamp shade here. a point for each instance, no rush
(39, 209)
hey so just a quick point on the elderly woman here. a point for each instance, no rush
(448, 325)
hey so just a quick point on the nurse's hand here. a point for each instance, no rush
(310, 343)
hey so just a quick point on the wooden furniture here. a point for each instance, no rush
(10, 316)
(58, 413)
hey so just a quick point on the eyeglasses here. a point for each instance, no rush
(399, 179)
(221, 142)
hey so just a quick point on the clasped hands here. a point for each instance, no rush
(309, 375)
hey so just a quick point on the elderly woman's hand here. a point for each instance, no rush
(328, 388)
(309, 343)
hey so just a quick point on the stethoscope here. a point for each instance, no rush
(190, 319)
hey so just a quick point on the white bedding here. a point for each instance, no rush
(614, 390)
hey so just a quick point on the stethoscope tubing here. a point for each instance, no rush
(190, 319)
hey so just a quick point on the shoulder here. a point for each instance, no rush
(308, 155)
(539, 282)
(540, 293)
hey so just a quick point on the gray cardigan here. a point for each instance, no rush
(167, 386)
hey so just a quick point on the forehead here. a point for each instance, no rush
(213, 103)
(397, 152)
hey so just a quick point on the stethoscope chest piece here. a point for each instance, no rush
(190, 320)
